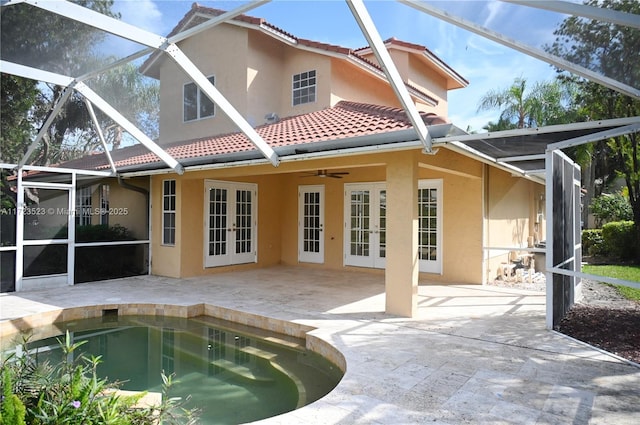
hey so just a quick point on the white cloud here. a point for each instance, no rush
(142, 13)
(495, 9)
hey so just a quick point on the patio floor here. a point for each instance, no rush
(474, 355)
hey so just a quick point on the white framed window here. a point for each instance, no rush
(304, 88)
(168, 212)
(104, 204)
(430, 225)
(83, 206)
(196, 105)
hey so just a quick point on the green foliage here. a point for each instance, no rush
(612, 50)
(611, 207)
(19, 97)
(546, 103)
(12, 410)
(620, 239)
(103, 233)
(592, 242)
(71, 393)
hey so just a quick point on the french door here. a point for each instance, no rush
(311, 224)
(230, 223)
(365, 225)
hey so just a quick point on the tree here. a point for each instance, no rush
(40, 39)
(613, 51)
(134, 95)
(544, 104)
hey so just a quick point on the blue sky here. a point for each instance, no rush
(485, 64)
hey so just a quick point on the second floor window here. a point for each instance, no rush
(196, 104)
(304, 88)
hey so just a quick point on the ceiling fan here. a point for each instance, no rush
(325, 173)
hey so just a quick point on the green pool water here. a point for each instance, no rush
(233, 374)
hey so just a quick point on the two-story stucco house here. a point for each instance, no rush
(354, 188)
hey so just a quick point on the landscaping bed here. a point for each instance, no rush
(605, 319)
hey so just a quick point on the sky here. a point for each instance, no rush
(485, 64)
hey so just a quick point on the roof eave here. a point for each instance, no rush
(395, 140)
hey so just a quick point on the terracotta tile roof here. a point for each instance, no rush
(343, 121)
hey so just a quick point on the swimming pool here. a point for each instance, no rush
(232, 373)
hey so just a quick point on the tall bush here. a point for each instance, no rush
(620, 239)
(592, 242)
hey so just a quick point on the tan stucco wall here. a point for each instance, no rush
(264, 66)
(221, 52)
(278, 210)
(417, 73)
(512, 206)
(254, 72)
(435, 85)
(347, 83)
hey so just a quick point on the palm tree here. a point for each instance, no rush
(511, 101)
(544, 104)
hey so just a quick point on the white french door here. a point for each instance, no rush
(230, 223)
(430, 225)
(311, 224)
(365, 224)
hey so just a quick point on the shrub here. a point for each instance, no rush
(592, 242)
(103, 233)
(12, 410)
(71, 393)
(611, 207)
(620, 240)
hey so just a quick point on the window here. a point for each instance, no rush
(430, 225)
(196, 104)
(304, 88)
(83, 206)
(168, 212)
(104, 204)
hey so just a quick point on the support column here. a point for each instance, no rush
(401, 275)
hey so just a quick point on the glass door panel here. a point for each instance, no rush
(365, 225)
(230, 223)
(311, 224)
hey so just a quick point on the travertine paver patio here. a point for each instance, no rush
(474, 355)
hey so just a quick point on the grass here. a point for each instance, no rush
(631, 273)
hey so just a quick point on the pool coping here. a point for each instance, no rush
(14, 327)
